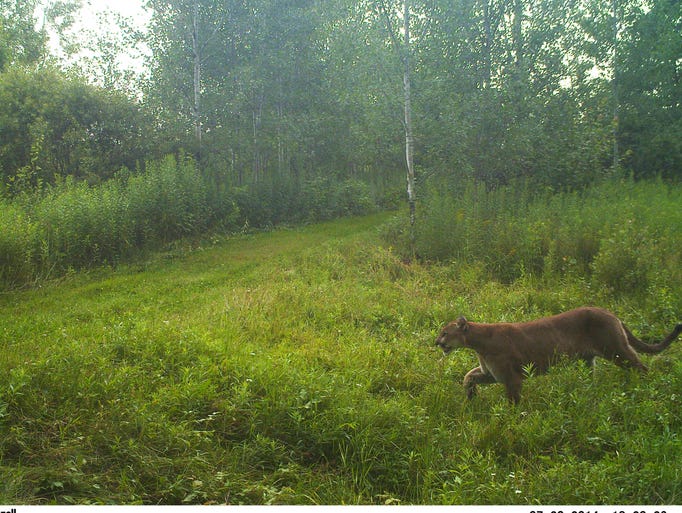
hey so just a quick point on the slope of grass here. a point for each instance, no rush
(297, 367)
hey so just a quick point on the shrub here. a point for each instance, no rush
(320, 198)
(622, 264)
(619, 237)
(72, 225)
(18, 243)
(494, 226)
(352, 197)
(82, 226)
(168, 201)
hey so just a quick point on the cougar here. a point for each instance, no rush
(504, 349)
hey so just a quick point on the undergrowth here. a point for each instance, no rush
(619, 239)
(48, 233)
(298, 367)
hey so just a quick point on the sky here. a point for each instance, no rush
(88, 21)
(131, 8)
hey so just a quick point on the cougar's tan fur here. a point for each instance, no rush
(504, 349)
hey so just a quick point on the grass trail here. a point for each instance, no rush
(297, 367)
(170, 285)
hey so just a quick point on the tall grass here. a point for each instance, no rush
(619, 237)
(298, 367)
(75, 226)
(18, 236)
(72, 225)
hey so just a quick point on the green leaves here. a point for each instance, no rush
(53, 126)
(618, 236)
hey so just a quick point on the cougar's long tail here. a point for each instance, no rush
(643, 347)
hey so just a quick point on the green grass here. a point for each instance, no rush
(297, 367)
(51, 231)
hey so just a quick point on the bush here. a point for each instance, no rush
(72, 225)
(620, 235)
(473, 223)
(81, 226)
(18, 244)
(281, 200)
(622, 264)
(168, 201)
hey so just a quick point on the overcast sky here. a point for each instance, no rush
(130, 8)
(88, 21)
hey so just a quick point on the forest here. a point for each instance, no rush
(559, 92)
(223, 268)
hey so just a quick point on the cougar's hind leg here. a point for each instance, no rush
(618, 349)
(628, 359)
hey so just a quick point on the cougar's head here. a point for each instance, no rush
(452, 335)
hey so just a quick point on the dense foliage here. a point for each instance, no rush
(557, 92)
(622, 233)
(502, 88)
(52, 126)
(280, 101)
(73, 225)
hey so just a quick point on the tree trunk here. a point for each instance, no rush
(196, 53)
(615, 85)
(487, 45)
(517, 34)
(409, 138)
(257, 157)
(404, 54)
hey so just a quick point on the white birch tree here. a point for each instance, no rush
(404, 53)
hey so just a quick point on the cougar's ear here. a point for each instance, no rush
(462, 324)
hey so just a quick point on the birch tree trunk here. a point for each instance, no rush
(404, 54)
(196, 54)
(409, 138)
(615, 86)
(487, 45)
(517, 35)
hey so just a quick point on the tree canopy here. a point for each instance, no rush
(558, 92)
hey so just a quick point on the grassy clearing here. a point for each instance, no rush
(297, 367)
